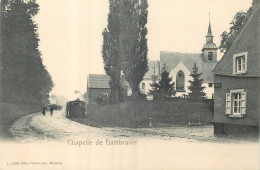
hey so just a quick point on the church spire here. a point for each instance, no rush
(209, 30)
(209, 49)
(209, 36)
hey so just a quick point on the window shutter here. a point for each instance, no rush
(228, 103)
(243, 103)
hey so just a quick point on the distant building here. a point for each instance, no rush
(237, 80)
(98, 86)
(180, 66)
(154, 69)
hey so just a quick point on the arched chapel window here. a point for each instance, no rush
(180, 77)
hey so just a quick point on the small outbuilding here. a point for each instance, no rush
(98, 87)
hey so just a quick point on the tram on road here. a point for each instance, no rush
(75, 109)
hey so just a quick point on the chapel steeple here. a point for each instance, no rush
(209, 49)
(209, 36)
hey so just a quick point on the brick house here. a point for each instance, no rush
(98, 86)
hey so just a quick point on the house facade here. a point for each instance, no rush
(180, 66)
(97, 86)
(237, 80)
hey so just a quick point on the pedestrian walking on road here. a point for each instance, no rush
(43, 111)
(51, 109)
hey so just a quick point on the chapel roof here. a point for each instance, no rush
(172, 59)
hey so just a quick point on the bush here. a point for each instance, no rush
(177, 110)
(172, 111)
(101, 101)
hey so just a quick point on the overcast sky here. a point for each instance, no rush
(71, 33)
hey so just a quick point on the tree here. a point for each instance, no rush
(111, 52)
(237, 24)
(166, 88)
(163, 88)
(133, 41)
(23, 74)
(154, 84)
(196, 87)
(125, 45)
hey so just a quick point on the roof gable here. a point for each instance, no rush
(99, 81)
(247, 41)
(172, 59)
(179, 67)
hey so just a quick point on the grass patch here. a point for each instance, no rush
(10, 112)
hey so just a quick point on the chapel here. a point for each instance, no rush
(180, 66)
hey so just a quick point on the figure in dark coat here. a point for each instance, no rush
(51, 109)
(43, 111)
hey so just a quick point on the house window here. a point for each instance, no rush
(105, 95)
(180, 81)
(236, 103)
(210, 56)
(210, 84)
(240, 63)
(143, 86)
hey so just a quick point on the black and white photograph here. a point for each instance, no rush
(129, 84)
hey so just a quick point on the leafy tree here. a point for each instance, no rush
(196, 87)
(1, 47)
(133, 44)
(238, 22)
(111, 52)
(125, 45)
(133, 41)
(23, 74)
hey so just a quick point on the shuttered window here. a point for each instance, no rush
(236, 103)
(243, 103)
(228, 103)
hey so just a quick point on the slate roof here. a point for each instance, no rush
(172, 59)
(98, 81)
(151, 65)
(248, 40)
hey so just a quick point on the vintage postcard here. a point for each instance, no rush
(129, 84)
